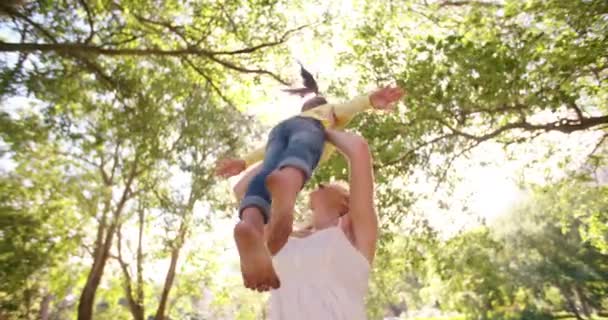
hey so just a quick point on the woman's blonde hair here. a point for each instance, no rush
(307, 228)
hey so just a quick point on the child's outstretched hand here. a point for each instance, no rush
(227, 168)
(385, 98)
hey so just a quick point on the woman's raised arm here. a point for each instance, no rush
(362, 211)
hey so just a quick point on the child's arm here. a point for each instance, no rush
(338, 115)
(381, 99)
(231, 167)
(254, 156)
(345, 112)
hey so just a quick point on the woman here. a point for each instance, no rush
(324, 271)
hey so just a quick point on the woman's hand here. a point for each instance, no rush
(332, 119)
(347, 143)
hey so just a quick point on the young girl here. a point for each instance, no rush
(294, 149)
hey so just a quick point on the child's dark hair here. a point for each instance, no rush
(310, 86)
(313, 103)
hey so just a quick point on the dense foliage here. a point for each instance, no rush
(114, 113)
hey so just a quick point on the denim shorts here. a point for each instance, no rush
(297, 142)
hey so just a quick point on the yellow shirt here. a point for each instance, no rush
(344, 112)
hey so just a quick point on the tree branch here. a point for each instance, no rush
(127, 190)
(104, 175)
(89, 20)
(134, 306)
(123, 265)
(519, 108)
(210, 82)
(448, 3)
(418, 147)
(12, 12)
(87, 48)
(451, 162)
(233, 66)
(115, 161)
(599, 144)
(578, 111)
(84, 48)
(282, 40)
(76, 49)
(11, 76)
(80, 48)
(122, 42)
(562, 125)
(167, 25)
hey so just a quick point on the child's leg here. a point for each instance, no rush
(257, 194)
(304, 148)
(284, 185)
(256, 264)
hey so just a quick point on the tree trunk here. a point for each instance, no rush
(160, 312)
(140, 279)
(136, 307)
(87, 298)
(137, 311)
(135, 297)
(583, 299)
(102, 250)
(134, 302)
(572, 306)
(162, 306)
(45, 306)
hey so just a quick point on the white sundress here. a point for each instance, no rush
(323, 277)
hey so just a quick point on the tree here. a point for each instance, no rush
(126, 97)
(140, 29)
(562, 252)
(533, 263)
(204, 133)
(400, 271)
(505, 72)
(39, 220)
(111, 82)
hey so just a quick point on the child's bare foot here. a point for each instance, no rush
(256, 263)
(283, 185)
